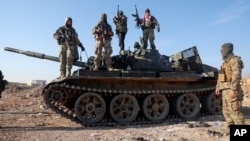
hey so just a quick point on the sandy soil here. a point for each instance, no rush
(23, 117)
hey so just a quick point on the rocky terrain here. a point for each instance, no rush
(23, 117)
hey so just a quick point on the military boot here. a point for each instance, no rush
(109, 68)
(121, 52)
(68, 72)
(108, 64)
(62, 75)
(96, 67)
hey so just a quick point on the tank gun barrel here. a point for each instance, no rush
(41, 56)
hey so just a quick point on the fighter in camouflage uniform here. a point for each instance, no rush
(103, 33)
(149, 23)
(68, 41)
(228, 85)
(121, 28)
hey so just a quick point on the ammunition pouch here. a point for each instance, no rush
(224, 85)
(221, 77)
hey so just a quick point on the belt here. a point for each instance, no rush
(147, 27)
(70, 43)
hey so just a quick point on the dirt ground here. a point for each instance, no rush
(23, 117)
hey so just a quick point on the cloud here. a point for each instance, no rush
(233, 12)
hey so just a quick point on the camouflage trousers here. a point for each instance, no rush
(66, 56)
(148, 34)
(232, 108)
(99, 46)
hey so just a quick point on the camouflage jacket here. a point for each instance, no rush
(103, 31)
(121, 23)
(230, 73)
(151, 23)
(68, 34)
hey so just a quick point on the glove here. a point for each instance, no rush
(158, 29)
(81, 46)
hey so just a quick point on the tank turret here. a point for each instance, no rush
(41, 56)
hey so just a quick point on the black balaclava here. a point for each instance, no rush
(226, 50)
(104, 18)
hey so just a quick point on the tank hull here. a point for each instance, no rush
(132, 97)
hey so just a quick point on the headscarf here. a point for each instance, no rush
(147, 16)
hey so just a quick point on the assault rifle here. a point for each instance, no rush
(65, 36)
(104, 32)
(115, 19)
(137, 18)
(117, 13)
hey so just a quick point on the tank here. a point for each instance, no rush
(144, 88)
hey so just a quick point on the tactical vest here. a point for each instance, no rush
(69, 34)
(106, 31)
(121, 25)
(149, 24)
(226, 70)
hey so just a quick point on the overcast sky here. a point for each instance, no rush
(207, 24)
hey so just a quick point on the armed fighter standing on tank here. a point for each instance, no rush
(103, 36)
(120, 21)
(148, 23)
(68, 41)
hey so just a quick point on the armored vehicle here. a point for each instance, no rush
(145, 87)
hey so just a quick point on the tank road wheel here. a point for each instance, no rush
(57, 94)
(156, 107)
(187, 106)
(90, 108)
(124, 108)
(213, 103)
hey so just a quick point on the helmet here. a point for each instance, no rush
(147, 10)
(226, 50)
(120, 12)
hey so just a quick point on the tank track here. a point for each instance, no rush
(108, 121)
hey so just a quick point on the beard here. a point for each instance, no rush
(68, 25)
